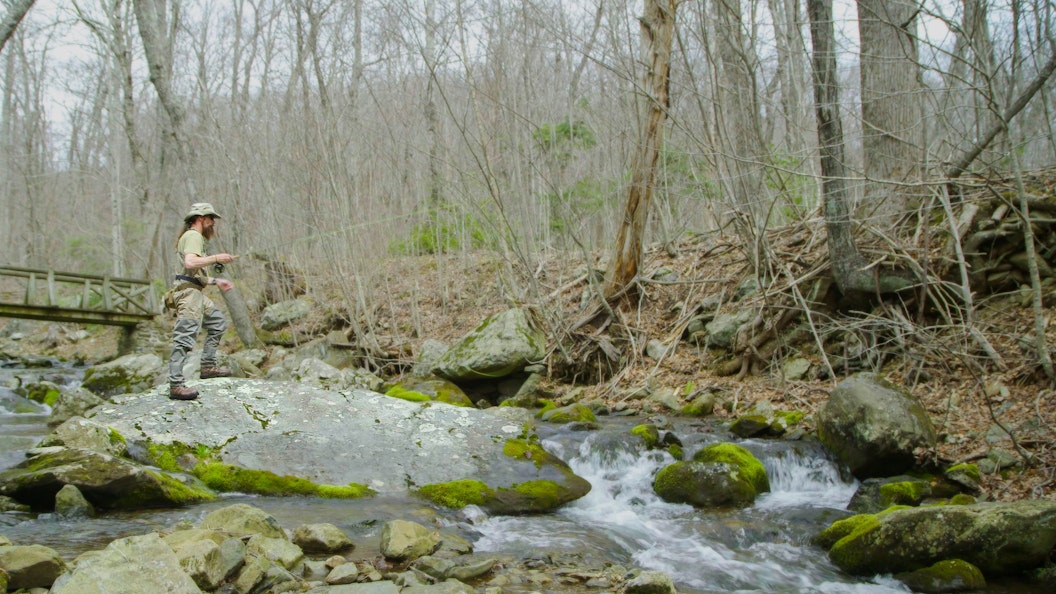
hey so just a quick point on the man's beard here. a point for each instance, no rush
(209, 232)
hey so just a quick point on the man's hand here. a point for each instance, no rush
(224, 284)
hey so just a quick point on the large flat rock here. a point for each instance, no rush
(326, 436)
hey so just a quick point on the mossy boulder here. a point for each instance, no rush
(502, 344)
(998, 538)
(718, 475)
(873, 426)
(878, 494)
(953, 575)
(573, 413)
(126, 375)
(108, 482)
(425, 389)
(649, 433)
(538, 482)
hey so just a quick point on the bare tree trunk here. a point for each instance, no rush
(891, 115)
(15, 13)
(657, 28)
(848, 265)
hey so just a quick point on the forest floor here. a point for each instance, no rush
(969, 396)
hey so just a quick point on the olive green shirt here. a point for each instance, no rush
(193, 242)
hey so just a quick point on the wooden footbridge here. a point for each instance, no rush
(79, 298)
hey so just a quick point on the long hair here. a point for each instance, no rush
(186, 225)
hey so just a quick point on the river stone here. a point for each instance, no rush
(203, 561)
(105, 480)
(502, 344)
(125, 375)
(451, 586)
(134, 565)
(72, 402)
(279, 550)
(70, 503)
(243, 520)
(877, 494)
(723, 329)
(321, 538)
(31, 566)
(385, 587)
(873, 426)
(998, 538)
(79, 432)
(281, 314)
(402, 540)
(953, 575)
(346, 573)
(422, 389)
(650, 582)
(342, 437)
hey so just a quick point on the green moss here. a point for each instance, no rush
(904, 493)
(228, 478)
(167, 456)
(842, 528)
(962, 499)
(520, 449)
(649, 434)
(116, 438)
(51, 397)
(845, 552)
(541, 494)
(404, 394)
(676, 451)
(174, 492)
(699, 407)
(669, 478)
(573, 413)
(457, 494)
(944, 575)
(785, 419)
(740, 459)
(969, 470)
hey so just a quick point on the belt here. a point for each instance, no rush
(190, 279)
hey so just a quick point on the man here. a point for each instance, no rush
(193, 308)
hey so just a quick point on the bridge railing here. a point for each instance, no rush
(72, 297)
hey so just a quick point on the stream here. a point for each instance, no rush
(762, 548)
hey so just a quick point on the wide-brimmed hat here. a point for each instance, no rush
(201, 209)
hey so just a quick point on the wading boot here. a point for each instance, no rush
(209, 371)
(182, 392)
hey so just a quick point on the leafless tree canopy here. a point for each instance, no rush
(337, 133)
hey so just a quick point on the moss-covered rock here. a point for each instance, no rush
(701, 406)
(953, 575)
(649, 433)
(549, 484)
(429, 389)
(998, 538)
(573, 413)
(458, 494)
(106, 481)
(878, 494)
(226, 478)
(746, 464)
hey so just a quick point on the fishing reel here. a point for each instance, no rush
(218, 268)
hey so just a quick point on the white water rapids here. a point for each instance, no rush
(764, 548)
